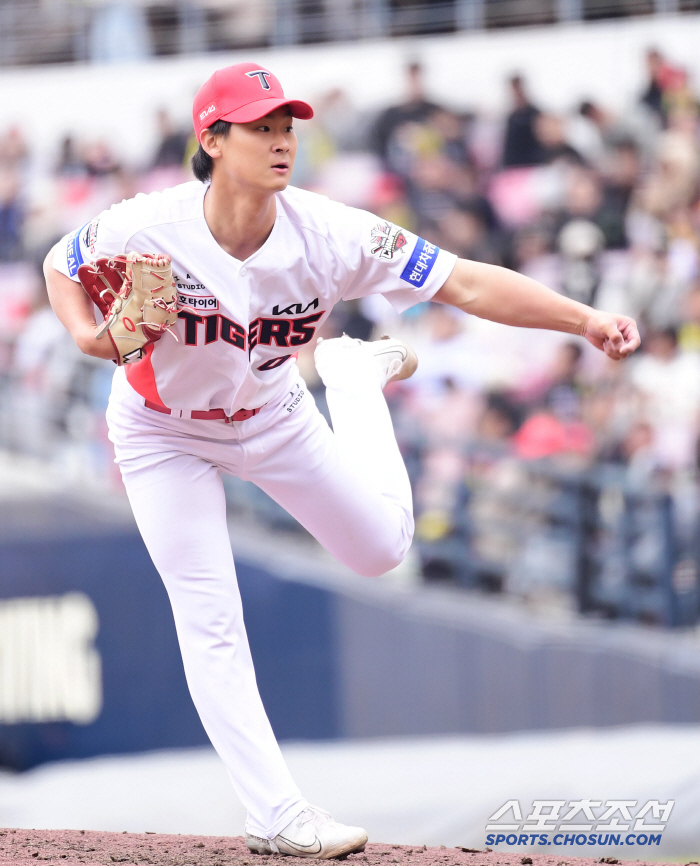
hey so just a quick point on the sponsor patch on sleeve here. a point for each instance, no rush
(421, 263)
(386, 240)
(74, 253)
(89, 237)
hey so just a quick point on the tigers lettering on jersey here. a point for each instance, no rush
(262, 331)
(283, 332)
(215, 328)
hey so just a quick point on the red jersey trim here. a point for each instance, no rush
(142, 378)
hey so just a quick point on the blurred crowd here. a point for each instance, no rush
(602, 207)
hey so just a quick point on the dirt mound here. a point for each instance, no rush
(78, 847)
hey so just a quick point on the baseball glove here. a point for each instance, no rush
(137, 296)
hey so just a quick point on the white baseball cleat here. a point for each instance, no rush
(396, 359)
(313, 833)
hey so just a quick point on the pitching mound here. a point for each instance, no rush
(77, 847)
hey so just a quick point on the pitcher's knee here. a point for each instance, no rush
(380, 554)
(377, 566)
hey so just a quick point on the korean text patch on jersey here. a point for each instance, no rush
(74, 253)
(207, 303)
(421, 263)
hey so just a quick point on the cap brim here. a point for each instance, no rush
(261, 107)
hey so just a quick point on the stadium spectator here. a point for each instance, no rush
(415, 109)
(668, 382)
(550, 132)
(172, 142)
(521, 145)
(11, 216)
(14, 150)
(99, 160)
(70, 163)
(667, 84)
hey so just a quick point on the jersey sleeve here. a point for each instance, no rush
(383, 258)
(104, 236)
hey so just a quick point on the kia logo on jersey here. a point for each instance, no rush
(262, 77)
(295, 309)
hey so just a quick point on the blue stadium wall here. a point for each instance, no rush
(338, 657)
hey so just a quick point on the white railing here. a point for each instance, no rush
(53, 31)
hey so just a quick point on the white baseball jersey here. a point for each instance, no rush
(241, 322)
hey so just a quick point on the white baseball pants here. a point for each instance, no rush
(348, 488)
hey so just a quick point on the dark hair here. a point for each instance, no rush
(202, 163)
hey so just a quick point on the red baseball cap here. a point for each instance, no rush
(239, 94)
